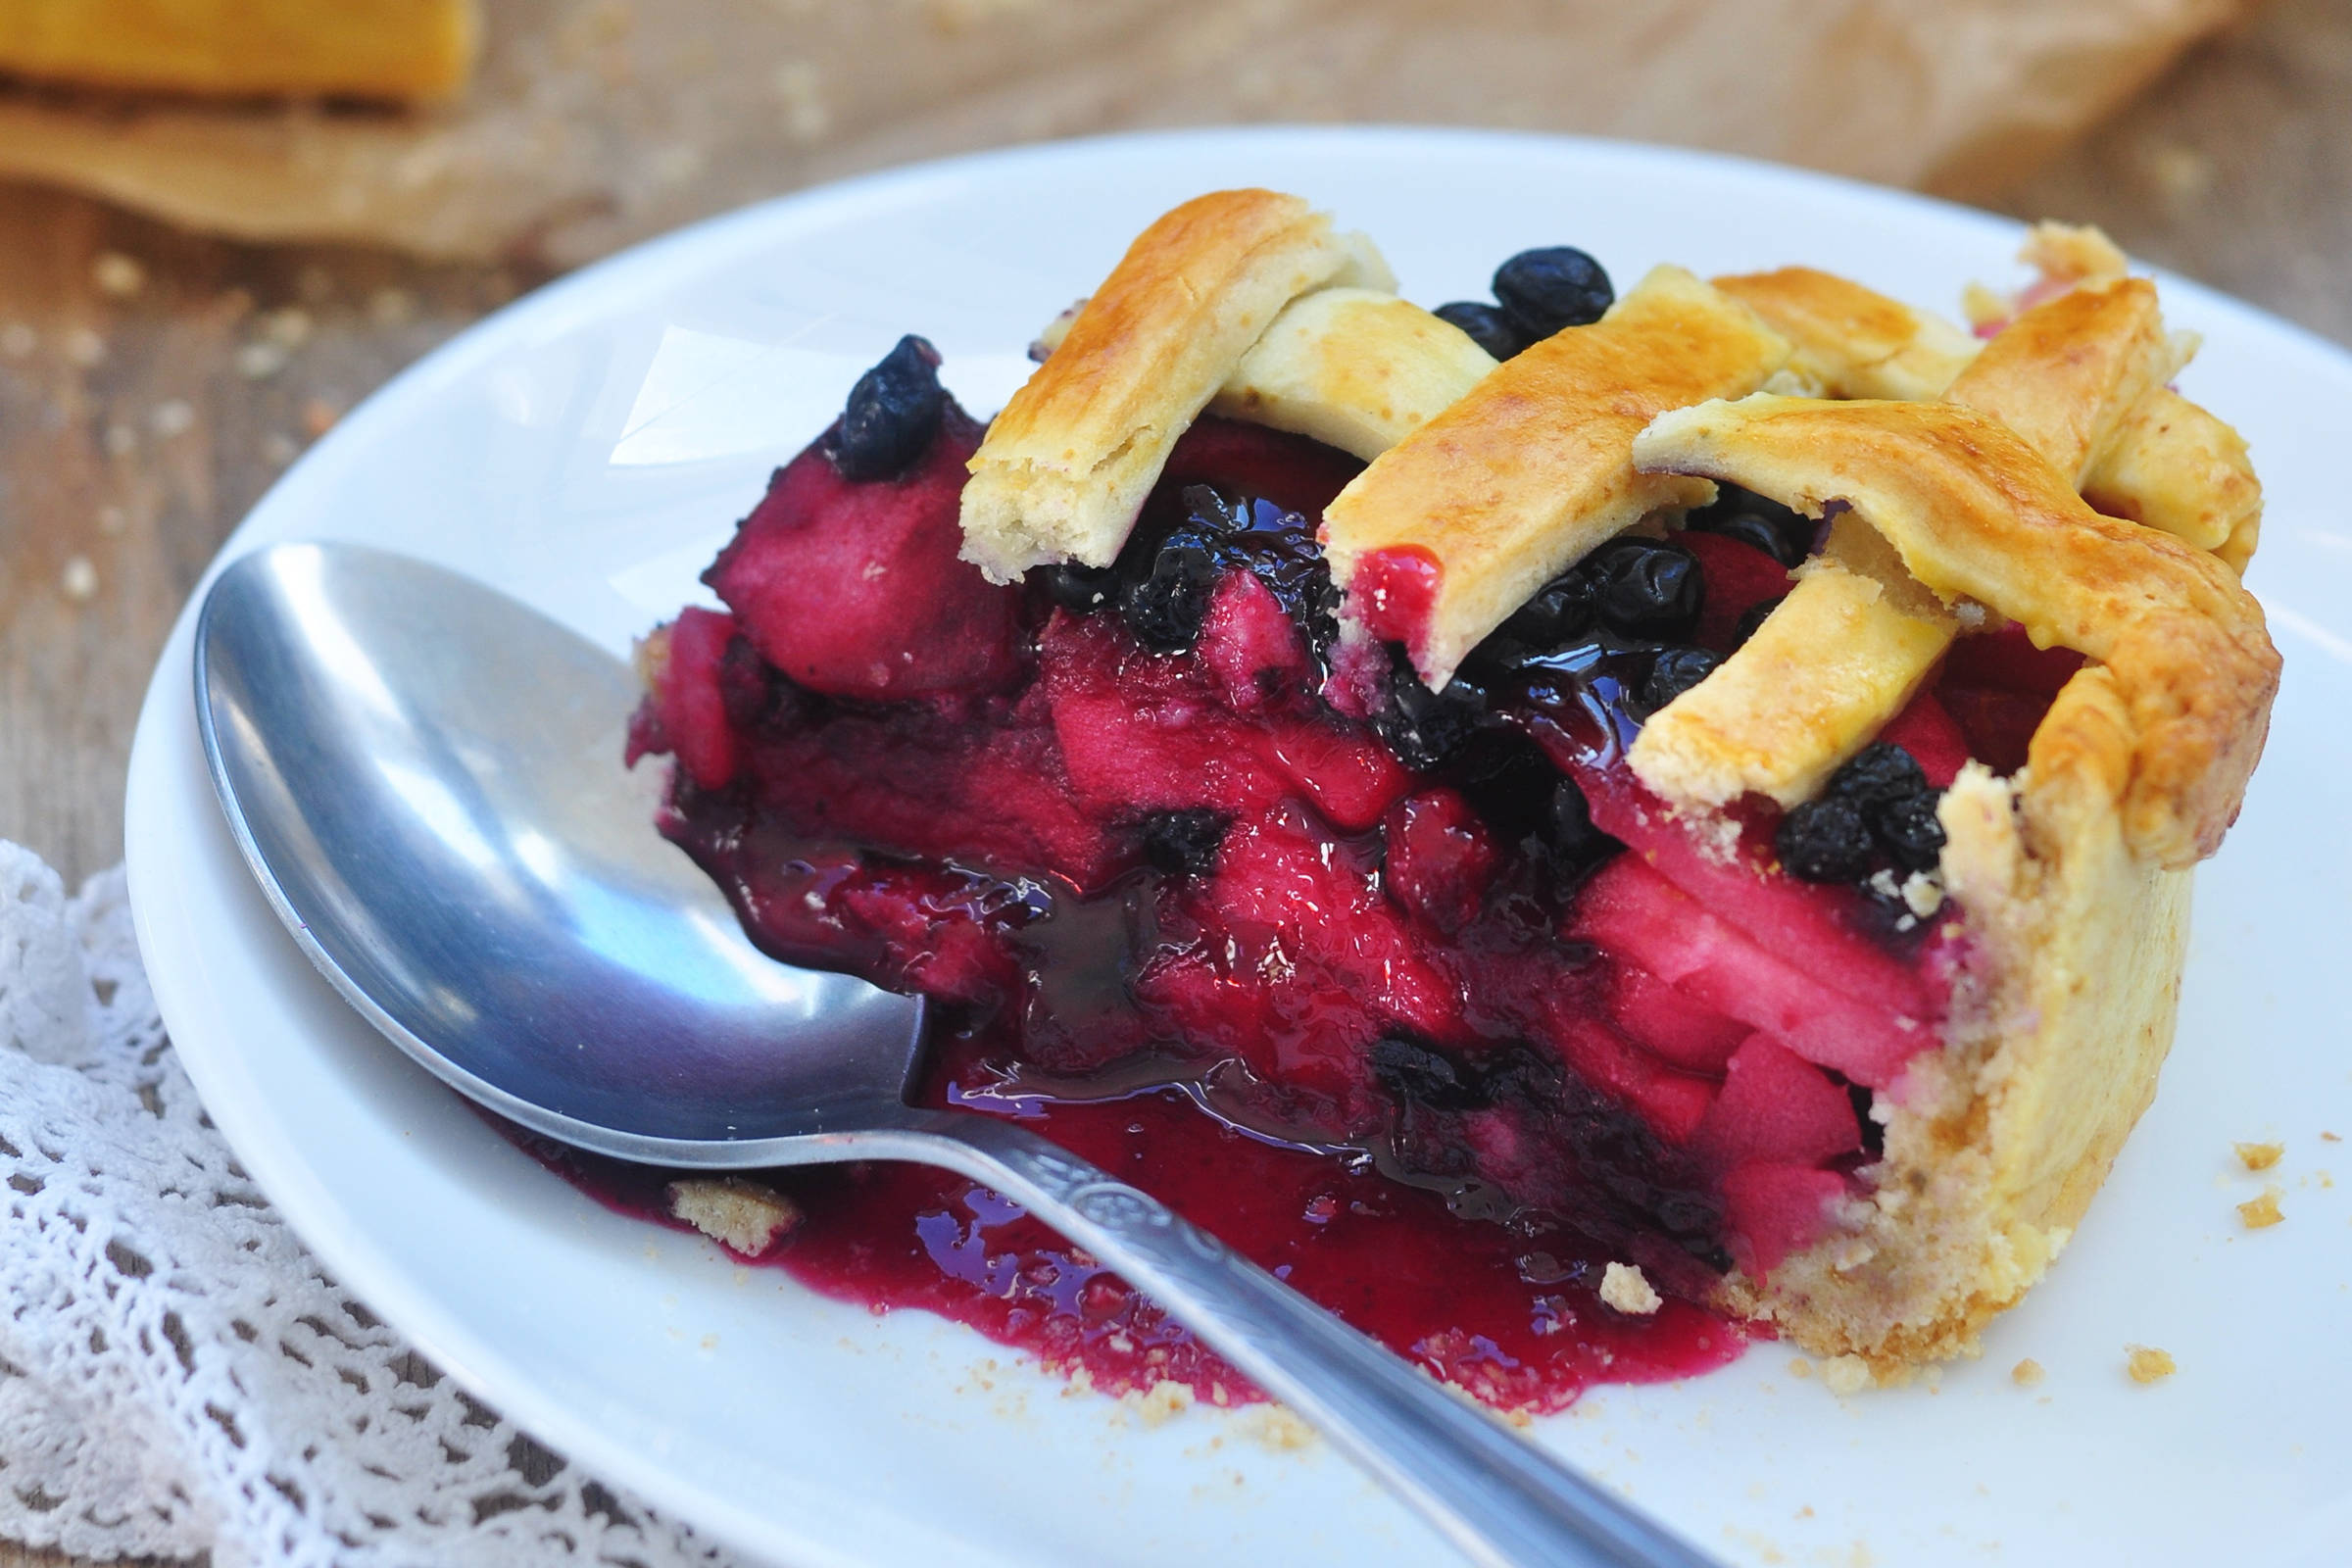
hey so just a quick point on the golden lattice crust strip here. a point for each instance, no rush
(1529, 472)
(2174, 466)
(1356, 369)
(2066, 373)
(1851, 341)
(2164, 460)
(1066, 466)
(2061, 376)
(1840, 656)
(1975, 513)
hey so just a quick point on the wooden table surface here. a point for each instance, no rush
(153, 384)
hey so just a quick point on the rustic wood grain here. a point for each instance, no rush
(136, 426)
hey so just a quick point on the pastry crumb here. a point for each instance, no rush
(2261, 1213)
(1923, 894)
(1800, 1368)
(2027, 1374)
(1845, 1374)
(2329, 1138)
(742, 1216)
(1626, 1288)
(2147, 1365)
(2259, 1157)
(1277, 1429)
(1163, 1402)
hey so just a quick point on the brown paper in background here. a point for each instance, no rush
(595, 122)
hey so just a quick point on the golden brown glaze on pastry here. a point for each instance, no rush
(1356, 369)
(1976, 513)
(1853, 641)
(1448, 532)
(1067, 463)
(2064, 374)
(2173, 465)
(1850, 341)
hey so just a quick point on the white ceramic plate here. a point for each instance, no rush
(589, 449)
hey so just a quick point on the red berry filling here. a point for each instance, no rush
(1214, 932)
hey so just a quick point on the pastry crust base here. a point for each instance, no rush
(1996, 1144)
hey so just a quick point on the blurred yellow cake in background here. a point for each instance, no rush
(385, 49)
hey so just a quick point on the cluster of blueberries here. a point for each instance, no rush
(1537, 293)
(1161, 582)
(1627, 609)
(1877, 811)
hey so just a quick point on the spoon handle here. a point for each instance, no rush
(1495, 1494)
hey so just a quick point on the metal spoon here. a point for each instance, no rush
(425, 778)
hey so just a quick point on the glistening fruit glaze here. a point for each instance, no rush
(1360, 977)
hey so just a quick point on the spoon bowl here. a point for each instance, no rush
(431, 776)
(425, 777)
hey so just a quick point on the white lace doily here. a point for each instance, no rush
(177, 1374)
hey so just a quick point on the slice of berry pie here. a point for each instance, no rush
(1710, 774)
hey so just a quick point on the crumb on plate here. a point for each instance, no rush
(743, 1216)
(1626, 1288)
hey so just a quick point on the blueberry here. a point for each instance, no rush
(1166, 607)
(1560, 611)
(1753, 617)
(1907, 829)
(1826, 841)
(1781, 532)
(1568, 831)
(1648, 588)
(1508, 782)
(1412, 1073)
(1184, 843)
(1489, 326)
(1081, 589)
(1422, 727)
(1217, 511)
(1879, 774)
(892, 415)
(1749, 528)
(1544, 290)
(1675, 671)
